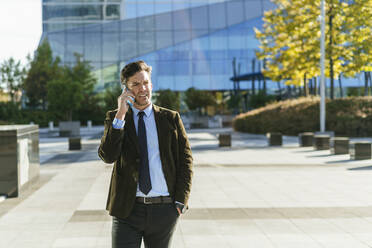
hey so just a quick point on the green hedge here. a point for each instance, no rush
(11, 113)
(345, 116)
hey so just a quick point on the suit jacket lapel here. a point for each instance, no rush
(131, 129)
(161, 127)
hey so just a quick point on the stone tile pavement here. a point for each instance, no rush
(249, 195)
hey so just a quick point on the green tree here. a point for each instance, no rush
(67, 93)
(12, 75)
(197, 99)
(168, 99)
(43, 69)
(110, 97)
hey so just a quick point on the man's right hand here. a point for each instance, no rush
(123, 105)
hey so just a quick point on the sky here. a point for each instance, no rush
(20, 28)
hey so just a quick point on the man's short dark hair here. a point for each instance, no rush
(132, 68)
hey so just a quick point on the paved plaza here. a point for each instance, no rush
(249, 196)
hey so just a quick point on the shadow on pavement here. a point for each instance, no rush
(362, 168)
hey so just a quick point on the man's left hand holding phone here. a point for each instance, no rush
(125, 100)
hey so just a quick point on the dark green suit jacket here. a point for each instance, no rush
(120, 146)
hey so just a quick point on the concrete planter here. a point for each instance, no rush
(69, 128)
(321, 142)
(224, 139)
(19, 158)
(306, 139)
(340, 145)
(360, 150)
(275, 139)
(74, 143)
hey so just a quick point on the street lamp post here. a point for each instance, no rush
(322, 68)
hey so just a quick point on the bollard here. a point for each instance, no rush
(306, 139)
(89, 124)
(275, 139)
(51, 126)
(340, 145)
(224, 139)
(321, 142)
(74, 143)
(360, 150)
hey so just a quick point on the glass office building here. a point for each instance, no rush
(189, 43)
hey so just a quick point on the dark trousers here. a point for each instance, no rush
(155, 223)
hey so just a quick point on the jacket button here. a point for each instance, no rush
(137, 160)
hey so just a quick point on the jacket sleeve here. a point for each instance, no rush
(110, 147)
(185, 164)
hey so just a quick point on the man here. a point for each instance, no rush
(151, 177)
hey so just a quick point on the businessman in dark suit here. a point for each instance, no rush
(151, 178)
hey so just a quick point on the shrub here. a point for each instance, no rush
(344, 116)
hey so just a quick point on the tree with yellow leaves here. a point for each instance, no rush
(290, 40)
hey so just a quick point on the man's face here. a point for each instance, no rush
(141, 87)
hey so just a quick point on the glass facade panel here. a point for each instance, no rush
(163, 22)
(181, 20)
(218, 10)
(145, 8)
(235, 12)
(110, 51)
(253, 8)
(146, 42)
(199, 18)
(180, 36)
(188, 43)
(163, 6)
(163, 39)
(93, 41)
(74, 45)
(146, 23)
(128, 45)
(130, 10)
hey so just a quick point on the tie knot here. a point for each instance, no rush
(141, 114)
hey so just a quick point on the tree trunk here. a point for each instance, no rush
(280, 90)
(331, 72)
(370, 79)
(306, 89)
(340, 85)
(315, 87)
(311, 89)
(253, 83)
(366, 84)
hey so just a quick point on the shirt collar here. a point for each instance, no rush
(147, 110)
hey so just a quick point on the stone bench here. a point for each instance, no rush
(360, 150)
(321, 142)
(340, 145)
(74, 143)
(224, 139)
(306, 139)
(275, 139)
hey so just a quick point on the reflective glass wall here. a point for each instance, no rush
(189, 43)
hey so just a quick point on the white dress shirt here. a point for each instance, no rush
(158, 183)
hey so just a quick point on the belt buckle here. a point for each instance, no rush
(145, 202)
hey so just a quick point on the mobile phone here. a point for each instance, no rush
(128, 102)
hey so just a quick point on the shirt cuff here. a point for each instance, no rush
(118, 124)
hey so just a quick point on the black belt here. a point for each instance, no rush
(154, 200)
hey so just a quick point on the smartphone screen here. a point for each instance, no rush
(129, 103)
